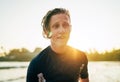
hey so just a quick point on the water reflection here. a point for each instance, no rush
(98, 71)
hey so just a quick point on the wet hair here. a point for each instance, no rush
(46, 19)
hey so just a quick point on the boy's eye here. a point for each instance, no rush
(65, 25)
(56, 26)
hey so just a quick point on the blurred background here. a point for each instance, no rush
(95, 30)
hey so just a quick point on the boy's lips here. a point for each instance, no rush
(61, 37)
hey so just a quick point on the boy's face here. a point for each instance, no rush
(60, 28)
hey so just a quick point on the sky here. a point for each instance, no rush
(95, 23)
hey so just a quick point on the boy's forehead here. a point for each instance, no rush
(60, 16)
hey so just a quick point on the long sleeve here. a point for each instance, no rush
(32, 72)
(84, 67)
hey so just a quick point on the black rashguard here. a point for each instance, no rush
(66, 67)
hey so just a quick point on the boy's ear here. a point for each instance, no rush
(49, 34)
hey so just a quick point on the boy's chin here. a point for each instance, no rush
(61, 44)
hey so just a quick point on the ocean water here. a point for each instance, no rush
(102, 71)
(13, 71)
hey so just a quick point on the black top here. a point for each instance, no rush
(67, 67)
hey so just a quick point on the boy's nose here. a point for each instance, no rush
(61, 29)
